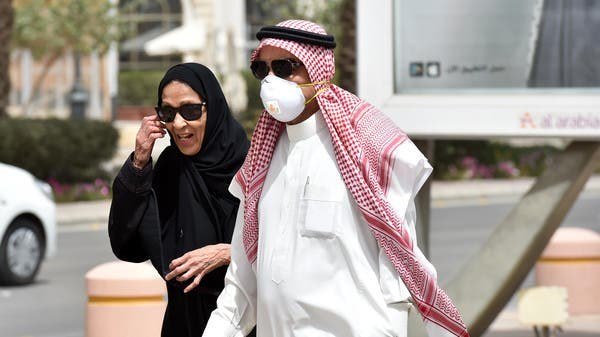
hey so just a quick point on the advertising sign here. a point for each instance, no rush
(483, 68)
(465, 44)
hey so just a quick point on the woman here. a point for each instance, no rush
(179, 213)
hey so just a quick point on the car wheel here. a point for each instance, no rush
(21, 252)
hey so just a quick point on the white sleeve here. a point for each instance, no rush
(410, 170)
(235, 315)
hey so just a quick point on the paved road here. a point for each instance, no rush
(55, 305)
(459, 227)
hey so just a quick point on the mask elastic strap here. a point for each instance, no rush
(312, 84)
(318, 91)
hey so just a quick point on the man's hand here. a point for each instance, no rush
(197, 263)
(150, 130)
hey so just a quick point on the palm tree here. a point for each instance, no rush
(6, 23)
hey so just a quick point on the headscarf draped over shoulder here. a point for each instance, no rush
(364, 140)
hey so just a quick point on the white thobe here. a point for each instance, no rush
(319, 270)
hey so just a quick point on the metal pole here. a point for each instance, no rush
(78, 96)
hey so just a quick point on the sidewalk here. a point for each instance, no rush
(507, 325)
(483, 188)
(97, 211)
(82, 212)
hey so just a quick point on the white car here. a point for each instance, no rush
(27, 225)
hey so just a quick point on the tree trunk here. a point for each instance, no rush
(39, 80)
(346, 56)
(6, 23)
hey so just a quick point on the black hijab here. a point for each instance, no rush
(195, 206)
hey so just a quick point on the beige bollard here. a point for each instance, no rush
(124, 300)
(572, 260)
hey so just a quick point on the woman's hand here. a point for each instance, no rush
(197, 263)
(150, 130)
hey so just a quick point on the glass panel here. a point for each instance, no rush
(144, 21)
(496, 44)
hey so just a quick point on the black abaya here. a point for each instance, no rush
(182, 204)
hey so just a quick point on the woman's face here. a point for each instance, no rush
(188, 135)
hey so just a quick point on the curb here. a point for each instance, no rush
(82, 212)
(508, 320)
(441, 190)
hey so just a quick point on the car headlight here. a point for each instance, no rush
(45, 189)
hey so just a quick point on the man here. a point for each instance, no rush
(324, 243)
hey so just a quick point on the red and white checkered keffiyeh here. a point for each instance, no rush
(364, 140)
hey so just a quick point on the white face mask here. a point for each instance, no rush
(282, 99)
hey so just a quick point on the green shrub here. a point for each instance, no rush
(139, 87)
(249, 117)
(66, 150)
(253, 90)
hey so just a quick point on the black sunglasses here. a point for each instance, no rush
(189, 112)
(281, 68)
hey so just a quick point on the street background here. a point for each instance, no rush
(503, 86)
(463, 215)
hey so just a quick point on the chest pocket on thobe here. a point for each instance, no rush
(320, 206)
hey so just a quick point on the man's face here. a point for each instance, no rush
(299, 76)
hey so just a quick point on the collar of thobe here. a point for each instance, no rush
(308, 128)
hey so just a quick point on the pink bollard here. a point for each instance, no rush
(572, 260)
(124, 300)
